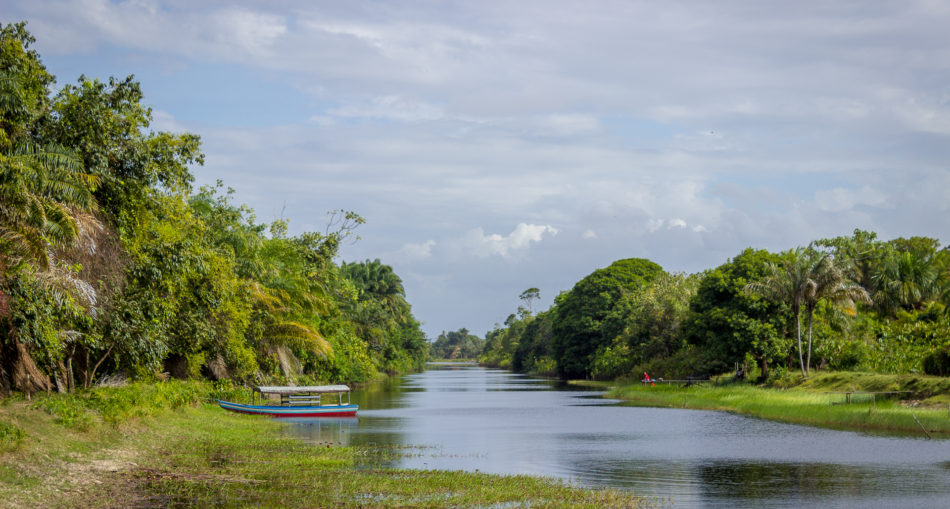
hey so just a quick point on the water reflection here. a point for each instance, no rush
(324, 430)
(470, 418)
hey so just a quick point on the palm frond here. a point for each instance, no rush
(298, 335)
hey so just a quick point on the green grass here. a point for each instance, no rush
(814, 402)
(10, 436)
(165, 445)
(926, 390)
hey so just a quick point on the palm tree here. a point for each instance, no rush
(906, 280)
(788, 283)
(806, 278)
(43, 197)
(829, 283)
(42, 189)
(280, 334)
(376, 281)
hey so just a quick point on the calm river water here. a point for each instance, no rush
(464, 417)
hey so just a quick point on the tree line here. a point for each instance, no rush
(845, 303)
(112, 263)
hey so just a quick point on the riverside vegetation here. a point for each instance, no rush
(843, 314)
(850, 313)
(847, 303)
(113, 265)
(148, 445)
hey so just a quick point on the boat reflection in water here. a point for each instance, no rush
(334, 431)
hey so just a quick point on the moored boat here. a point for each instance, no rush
(303, 401)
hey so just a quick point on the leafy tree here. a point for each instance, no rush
(502, 342)
(160, 279)
(579, 327)
(382, 316)
(24, 86)
(458, 344)
(858, 255)
(728, 323)
(653, 317)
(534, 352)
(529, 296)
(106, 123)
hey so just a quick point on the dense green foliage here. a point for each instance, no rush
(728, 324)
(583, 321)
(111, 263)
(456, 345)
(846, 303)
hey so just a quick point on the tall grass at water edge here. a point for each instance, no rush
(116, 405)
(796, 405)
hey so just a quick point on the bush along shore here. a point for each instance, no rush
(911, 404)
(165, 444)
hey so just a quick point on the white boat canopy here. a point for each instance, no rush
(325, 389)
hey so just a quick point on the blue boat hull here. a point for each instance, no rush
(291, 411)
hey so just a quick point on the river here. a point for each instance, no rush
(464, 417)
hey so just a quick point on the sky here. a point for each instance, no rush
(494, 146)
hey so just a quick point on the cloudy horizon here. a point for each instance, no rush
(494, 147)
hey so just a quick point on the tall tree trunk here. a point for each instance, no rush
(808, 366)
(764, 365)
(798, 333)
(17, 369)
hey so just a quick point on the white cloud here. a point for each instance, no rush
(654, 225)
(480, 244)
(164, 121)
(417, 251)
(589, 234)
(389, 107)
(677, 223)
(253, 33)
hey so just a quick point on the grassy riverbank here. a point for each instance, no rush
(165, 445)
(817, 401)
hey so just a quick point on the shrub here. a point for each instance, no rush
(781, 378)
(937, 363)
(851, 355)
(611, 362)
(10, 436)
(226, 390)
(545, 366)
(68, 409)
